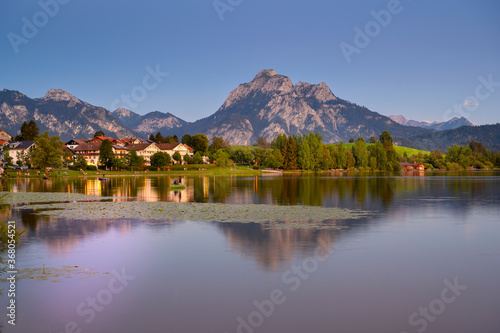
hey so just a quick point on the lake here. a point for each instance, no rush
(427, 259)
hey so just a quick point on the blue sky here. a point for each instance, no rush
(432, 57)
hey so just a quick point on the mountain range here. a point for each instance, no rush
(58, 112)
(266, 106)
(436, 125)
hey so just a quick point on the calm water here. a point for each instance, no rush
(429, 260)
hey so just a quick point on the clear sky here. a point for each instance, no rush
(423, 60)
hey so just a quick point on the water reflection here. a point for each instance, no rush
(358, 191)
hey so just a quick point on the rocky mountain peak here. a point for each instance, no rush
(265, 73)
(319, 91)
(122, 112)
(60, 95)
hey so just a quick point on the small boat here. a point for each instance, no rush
(177, 187)
(45, 177)
(103, 179)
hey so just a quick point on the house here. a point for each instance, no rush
(171, 148)
(412, 166)
(5, 136)
(17, 148)
(99, 139)
(72, 144)
(89, 151)
(128, 141)
(146, 150)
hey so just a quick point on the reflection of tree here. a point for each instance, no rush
(272, 248)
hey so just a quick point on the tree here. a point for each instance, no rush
(151, 137)
(134, 160)
(386, 139)
(274, 159)
(186, 139)
(158, 138)
(372, 140)
(177, 156)
(218, 142)
(99, 133)
(360, 153)
(221, 159)
(6, 156)
(305, 157)
(106, 154)
(290, 154)
(326, 158)
(80, 162)
(199, 142)
(262, 142)
(160, 159)
(341, 155)
(378, 157)
(351, 140)
(47, 151)
(197, 158)
(187, 159)
(29, 130)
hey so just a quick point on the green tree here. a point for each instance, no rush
(221, 159)
(378, 157)
(351, 140)
(360, 153)
(99, 133)
(186, 139)
(341, 156)
(134, 160)
(187, 159)
(372, 140)
(262, 142)
(29, 131)
(159, 138)
(386, 139)
(80, 162)
(6, 156)
(177, 156)
(47, 151)
(160, 159)
(305, 157)
(290, 154)
(326, 158)
(151, 137)
(120, 163)
(274, 159)
(106, 154)
(218, 142)
(197, 158)
(199, 142)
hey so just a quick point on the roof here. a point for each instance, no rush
(88, 146)
(2, 142)
(79, 141)
(138, 146)
(409, 164)
(5, 133)
(167, 146)
(22, 144)
(102, 138)
(172, 146)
